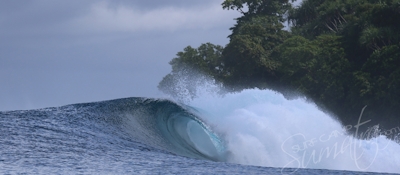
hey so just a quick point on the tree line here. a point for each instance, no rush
(341, 54)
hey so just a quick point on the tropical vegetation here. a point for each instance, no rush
(341, 54)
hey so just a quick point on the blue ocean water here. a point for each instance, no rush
(253, 132)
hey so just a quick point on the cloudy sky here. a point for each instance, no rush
(54, 53)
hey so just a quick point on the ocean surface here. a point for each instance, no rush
(251, 132)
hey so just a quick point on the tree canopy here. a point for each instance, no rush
(343, 54)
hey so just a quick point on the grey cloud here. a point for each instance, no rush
(150, 4)
(44, 63)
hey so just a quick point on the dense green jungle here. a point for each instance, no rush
(343, 55)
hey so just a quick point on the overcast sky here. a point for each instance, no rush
(54, 53)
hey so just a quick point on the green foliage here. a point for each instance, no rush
(205, 58)
(247, 56)
(366, 53)
(314, 67)
(258, 7)
(275, 10)
(376, 84)
(343, 54)
(190, 69)
(383, 74)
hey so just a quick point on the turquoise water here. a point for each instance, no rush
(255, 132)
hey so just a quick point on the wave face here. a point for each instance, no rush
(253, 127)
(118, 136)
(162, 124)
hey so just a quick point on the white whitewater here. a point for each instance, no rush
(261, 127)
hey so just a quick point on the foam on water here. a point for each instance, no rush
(261, 127)
(141, 135)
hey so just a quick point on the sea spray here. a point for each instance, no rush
(156, 136)
(261, 127)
